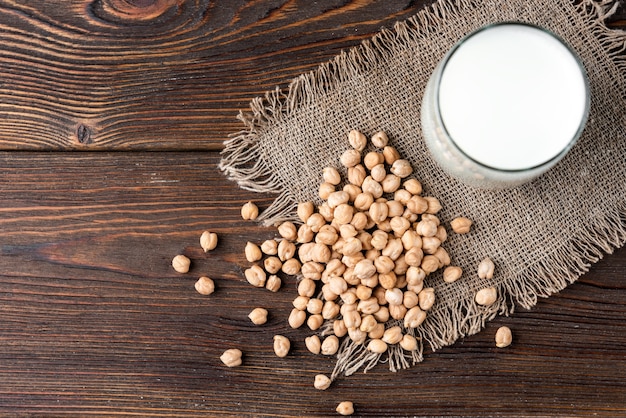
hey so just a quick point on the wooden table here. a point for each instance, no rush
(112, 115)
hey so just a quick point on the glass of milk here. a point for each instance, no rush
(505, 104)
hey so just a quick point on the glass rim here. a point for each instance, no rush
(583, 119)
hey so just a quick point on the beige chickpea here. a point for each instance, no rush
(305, 210)
(413, 186)
(231, 357)
(433, 205)
(350, 158)
(314, 322)
(306, 287)
(330, 345)
(394, 296)
(316, 221)
(208, 241)
(325, 189)
(382, 314)
(313, 344)
(408, 343)
(377, 346)
(273, 283)
(339, 328)
(452, 273)
(503, 337)
(258, 316)
(486, 269)
(286, 250)
(417, 204)
(390, 154)
(253, 252)
(288, 231)
(426, 298)
(393, 335)
(430, 264)
(368, 322)
(345, 408)
(397, 311)
(378, 172)
(282, 345)
(378, 331)
(372, 159)
(256, 276)
(337, 198)
(410, 299)
(269, 247)
(348, 230)
(181, 263)
(461, 225)
(322, 382)
(331, 175)
(272, 264)
(249, 211)
(356, 335)
(414, 317)
(312, 270)
(387, 280)
(291, 267)
(314, 306)
(363, 201)
(369, 306)
(330, 310)
(372, 187)
(487, 296)
(204, 286)
(401, 168)
(300, 302)
(305, 234)
(296, 318)
(357, 140)
(380, 139)
(356, 175)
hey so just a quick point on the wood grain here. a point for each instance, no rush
(112, 113)
(95, 321)
(160, 74)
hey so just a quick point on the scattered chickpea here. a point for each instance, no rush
(486, 269)
(205, 286)
(345, 408)
(363, 255)
(231, 357)
(322, 382)
(282, 345)
(181, 263)
(256, 276)
(208, 241)
(486, 296)
(253, 252)
(357, 140)
(503, 337)
(330, 345)
(313, 344)
(377, 346)
(461, 225)
(249, 211)
(258, 316)
(452, 273)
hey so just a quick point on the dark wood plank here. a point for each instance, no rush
(93, 320)
(163, 74)
(116, 74)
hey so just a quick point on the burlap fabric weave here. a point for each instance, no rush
(542, 236)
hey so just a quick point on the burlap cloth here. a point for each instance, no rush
(542, 236)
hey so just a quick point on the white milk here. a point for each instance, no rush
(504, 105)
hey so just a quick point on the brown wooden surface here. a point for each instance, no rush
(92, 318)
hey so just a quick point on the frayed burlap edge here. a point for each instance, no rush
(243, 162)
